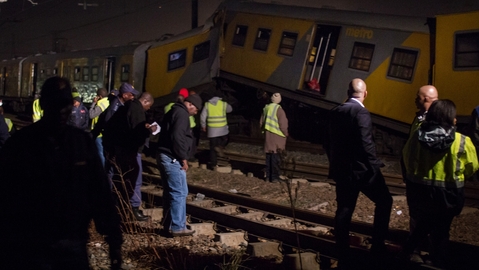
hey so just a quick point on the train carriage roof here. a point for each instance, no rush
(340, 17)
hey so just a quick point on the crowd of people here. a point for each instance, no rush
(80, 172)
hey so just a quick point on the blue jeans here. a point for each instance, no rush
(99, 145)
(175, 192)
(135, 199)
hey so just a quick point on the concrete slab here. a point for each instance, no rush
(264, 249)
(227, 209)
(399, 198)
(226, 169)
(308, 261)
(156, 214)
(203, 166)
(299, 180)
(250, 174)
(203, 228)
(231, 239)
(469, 210)
(255, 216)
(279, 222)
(238, 172)
(202, 203)
(320, 184)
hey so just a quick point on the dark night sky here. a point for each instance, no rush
(26, 28)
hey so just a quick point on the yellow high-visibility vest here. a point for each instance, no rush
(103, 103)
(9, 124)
(192, 119)
(271, 123)
(216, 114)
(37, 111)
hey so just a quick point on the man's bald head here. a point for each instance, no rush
(426, 95)
(146, 100)
(357, 89)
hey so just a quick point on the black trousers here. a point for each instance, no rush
(347, 192)
(221, 142)
(273, 162)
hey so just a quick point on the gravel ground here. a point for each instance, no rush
(148, 250)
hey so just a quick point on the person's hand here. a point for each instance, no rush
(153, 128)
(203, 129)
(95, 99)
(184, 164)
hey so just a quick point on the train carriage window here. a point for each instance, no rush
(94, 73)
(361, 56)
(262, 39)
(402, 64)
(201, 51)
(77, 74)
(466, 53)
(125, 73)
(288, 42)
(66, 72)
(55, 71)
(240, 35)
(176, 59)
(86, 74)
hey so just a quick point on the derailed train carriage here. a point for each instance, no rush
(88, 70)
(309, 55)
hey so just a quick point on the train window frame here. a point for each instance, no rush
(175, 62)
(287, 49)
(125, 73)
(76, 74)
(459, 58)
(261, 42)
(95, 71)
(239, 38)
(85, 74)
(201, 51)
(356, 59)
(412, 67)
(55, 71)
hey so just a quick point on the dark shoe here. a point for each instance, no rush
(138, 214)
(184, 232)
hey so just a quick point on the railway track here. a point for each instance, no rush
(319, 173)
(256, 218)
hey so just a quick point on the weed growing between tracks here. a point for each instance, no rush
(147, 249)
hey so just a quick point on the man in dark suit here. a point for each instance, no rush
(354, 167)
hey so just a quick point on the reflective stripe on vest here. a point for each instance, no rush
(216, 114)
(271, 123)
(442, 175)
(9, 124)
(37, 111)
(103, 104)
(192, 119)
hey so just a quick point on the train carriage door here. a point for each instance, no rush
(33, 80)
(321, 57)
(109, 74)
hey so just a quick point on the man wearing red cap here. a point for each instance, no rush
(182, 95)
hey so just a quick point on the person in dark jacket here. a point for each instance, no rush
(355, 168)
(123, 138)
(438, 160)
(79, 116)
(174, 145)
(57, 196)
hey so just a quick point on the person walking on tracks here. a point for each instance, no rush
(437, 160)
(100, 104)
(51, 203)
(274, 125)
(213, 121)
(355, 168)
(174, 145)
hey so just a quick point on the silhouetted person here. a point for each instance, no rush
(52, 187)
(355, 168)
